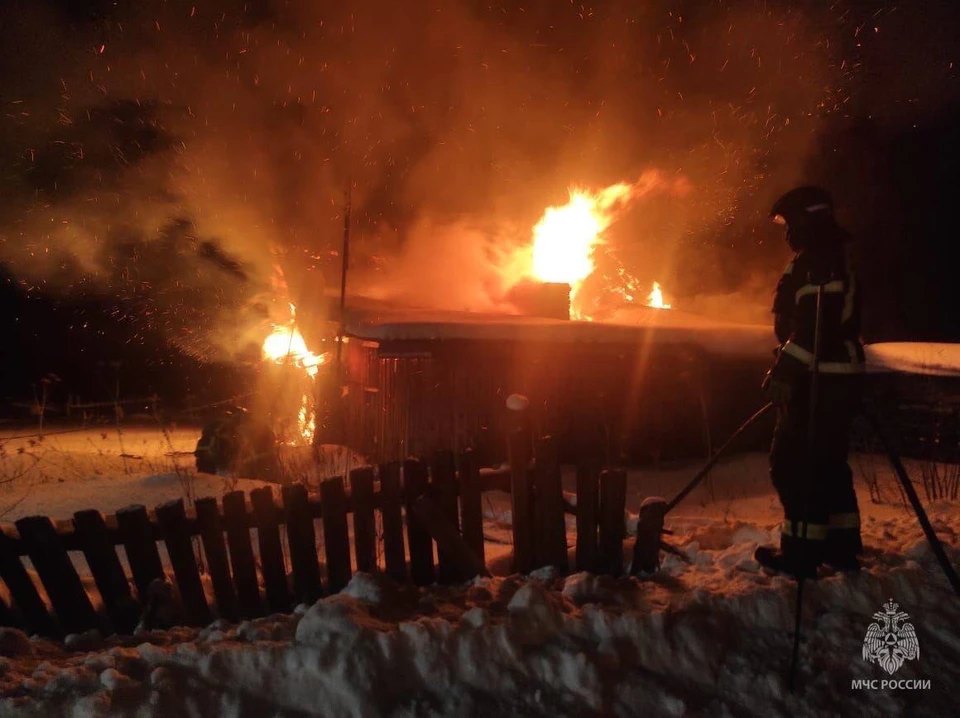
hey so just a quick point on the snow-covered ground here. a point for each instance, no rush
(709, 638)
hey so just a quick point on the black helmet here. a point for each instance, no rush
(800, 205)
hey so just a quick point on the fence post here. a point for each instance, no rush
(444, 483)
(521, 501)
(588, 476)
(172, 518)
(336, 533)
(215, 550)
(551, 524)
(272, 563)
(613, 499)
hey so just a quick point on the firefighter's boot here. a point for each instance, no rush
(800, 553)
(844, 544)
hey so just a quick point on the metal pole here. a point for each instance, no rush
(911, 493)
(812, 451)
(326, 396)
(343, 270)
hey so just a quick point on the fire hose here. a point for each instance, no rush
(646, 550)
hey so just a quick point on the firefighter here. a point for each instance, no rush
(809, 460)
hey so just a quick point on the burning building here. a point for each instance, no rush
(607, 363)
(653, 385)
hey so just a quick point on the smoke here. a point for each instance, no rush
(183, 157)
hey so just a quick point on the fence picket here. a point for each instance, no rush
(101, 555)
(172, 517)
(551, 526)
(272, 564)
(57, 574)
(336, 533)
(364, 523)
(140, 545)
(215, 550)
(302, 539)
(419, 542)
(244, 567)
(391, 514)
(521, 502)
(444, 488)
(25, 596)
(613, 497)
(471, 510)
(588, 479)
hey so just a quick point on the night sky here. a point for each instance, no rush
(160, 160)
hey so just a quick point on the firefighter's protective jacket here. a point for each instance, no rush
(824, 261)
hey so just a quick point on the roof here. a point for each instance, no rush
(385, 322)
(638, 326)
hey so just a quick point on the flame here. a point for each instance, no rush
(655, 298)
(285, 345)
(566, 240)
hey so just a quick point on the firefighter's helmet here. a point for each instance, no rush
(802, 205)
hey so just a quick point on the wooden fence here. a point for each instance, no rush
(433, 504)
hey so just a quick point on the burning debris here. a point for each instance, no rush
(286, 346)
(655, 299)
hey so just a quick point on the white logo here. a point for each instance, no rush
(891, 641)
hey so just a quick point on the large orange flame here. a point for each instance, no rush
(655, 299)
(566, 239)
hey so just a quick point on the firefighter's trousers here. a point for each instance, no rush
(812, 475)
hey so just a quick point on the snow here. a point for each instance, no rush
(56, 474)
(914, 358)
(634, 325)
(705, 638)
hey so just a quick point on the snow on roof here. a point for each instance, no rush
(381, 321)
(636, 326)
(914, 358)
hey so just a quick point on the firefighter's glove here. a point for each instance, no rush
(777, 388)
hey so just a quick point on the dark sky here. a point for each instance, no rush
(158, 160)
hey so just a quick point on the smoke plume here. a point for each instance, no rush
(190, 159)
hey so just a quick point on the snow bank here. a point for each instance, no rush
(914, 358)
